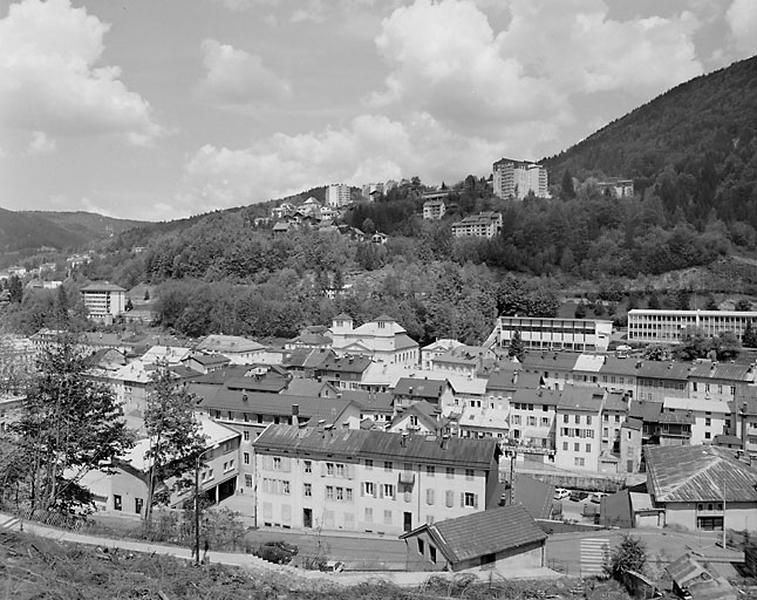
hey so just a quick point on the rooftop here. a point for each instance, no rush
(585, 399)
(352, 443)
(102, 286)
(228, 343)
(420, 388)
(546, 361)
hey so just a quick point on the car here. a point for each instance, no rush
(561, 493)
(333, 566)
(578, 495)
(596, 497)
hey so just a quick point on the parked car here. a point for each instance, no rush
(333, 566)
(596, 497)
(578, 495)
(561, 493)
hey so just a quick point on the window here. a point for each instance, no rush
(246, 458)
(387, 465)
(368, 463)
(430, 470)
(369, 515)
(531, 421)
(545, 421)
(340, 493)
(230, 465)
(421, 546)
(605, 431)
(369, 488)
(277, 463)
(285, 488)
(138, 505)
(469, 473)
(566, 419)
(579, 462)
(116, 502)
(450, 472)
(246, 435)
(588, 447)
(308, 490)
(605, 418)
(329, 468)
(565, 446)
(432, 553)
(430, 497)
(576, 447)
(469, 499)
(707, 422)
(388, 490)
(577, 419)
(340, 470)
(707, 435)
(588, 419)
(387, 517)
(307, 466)
(329, 492)
(348, 494)
(247, 480)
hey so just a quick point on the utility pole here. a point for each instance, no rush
(725, 508)
(197, 510)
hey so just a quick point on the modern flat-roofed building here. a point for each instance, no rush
(516, 178)
(338, 195)
(669, 326)
(546, 333)
(484, 225)
(104, 301)
(434, 209)
(370, 481)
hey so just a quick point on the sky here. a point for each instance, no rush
(159, 109)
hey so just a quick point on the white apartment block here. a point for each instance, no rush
(434, 209)
(650, 326)
(484, 225)
(370, 481)
(711, 417)
(516, 178)
(103, 300)
(338, 195)
(578, 428)
(546, 333)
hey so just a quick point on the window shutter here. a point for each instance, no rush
(429, 496)
(450, 498)
(286, 464)
(323, 469)
(394, 492)
(375, 485)
(362, 490)
(462, 500)
(475, 500)
(381, 490)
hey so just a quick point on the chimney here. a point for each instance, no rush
(404, 439)
(410, 390)
(445, 441)
(296, 415)
(244, 397)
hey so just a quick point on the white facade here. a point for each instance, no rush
(103, 302)
(546, 333)
(515, 179)
(384, 340)
(433, 210)
(577, 439)
(647, 325)
(710, 417)
(484, 225)
(338, 195)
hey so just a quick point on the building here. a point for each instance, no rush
(710, 418)
(614, 414)
(554, 368)
(437, 348)
(434, 209)
(484, 225)
(630, 446)
(239, 350)
(409, 390)
(616, 188)
(657, 380)
(370, 481)
(553, 334)
(532, 423)
(103, 301)
(503, 537)
(338, 195)
(702, 487)
(578, 428)
(517, 178)
(343, 372)
(383, 340)
(721, 382)
(669, 326)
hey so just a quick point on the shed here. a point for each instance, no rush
(507, 535)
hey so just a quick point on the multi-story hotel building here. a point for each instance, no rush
(486, 225)
(104, 300)
(516, 178)
(338, 195)
(546, 333)
(647, 325)
(434, 209)
(370, 481)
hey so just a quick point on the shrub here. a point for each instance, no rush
(630, 555)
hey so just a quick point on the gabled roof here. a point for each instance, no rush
(535, 496)
(425, 412)
(483, 532)
(546, 361)
(300, 386)
(421, 388)
(585, 399)
(540, 397)
(645, 410)
(208, 360)
(707, 369)
(346, 364)
(631, 423)
(229, 343)
(663, 370)
(259, 383)
(352, 443)
(370, 401)
(616, 401)
(699, 473)
(619, 366)
(507, 379)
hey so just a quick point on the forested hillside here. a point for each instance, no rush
(696, 145)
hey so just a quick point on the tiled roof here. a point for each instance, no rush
(382, 445)
(619, 366)
(546, 361)
(229, 343)
(420, 388)
(102, 286)
(663, 370)
(699, 473)
(485, 532)
(402, 341)
(707, 369)
(209, 360)
(575, 397)
(300, 386)
(506, 379)
(645, 410)
(346, 364)
(631, 423)
(370, 401)
(262, 383)
(535, 496)
(539, 397)
(616, 401)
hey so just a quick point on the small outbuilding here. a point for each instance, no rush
(507, 536)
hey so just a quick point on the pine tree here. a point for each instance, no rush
(516, 349)
(749, 337)
(568, 190)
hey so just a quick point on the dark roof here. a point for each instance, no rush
(663, 370)
(545, 361)
(346, 364)
(300, 386)
(616, 401)
(727, 440)
(424, 410)
(619, 366)
(263, 403)
(631, 423)
(259, 383)
(420, 388)
(102, 286)
(402, 340)
(538, 396)
(219, 376)
(208, 360)
(645, 410)
(708, 369)
(576, 397)
(699, 473)
(470, 453)
(370, 401)
(676, 418)
(510, 379)
(484, 532)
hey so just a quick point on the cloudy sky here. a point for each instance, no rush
(159, 109)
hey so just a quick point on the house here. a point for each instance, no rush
(305, 361)
(490, 420)
(313, 337)
(124, 488)
(702, 487)
(378, 407)
(718, 381)
(507, 379)
(613, 416)
(709, 418)
(420, 418)
(487, 225)
(239, 350)
(379, 238)
(619, 375)
(578, 428)
(504, 537)
(301, 386)
(532, 423)
(382, 339)
(409, 390)
(464, 360)
(555, 368)
(343, 372)
(434, 209)
(435, 349)
(205, 363)
(630, 445)
(368, 480)
(657, 380)
(512, 178)
(103, 301)
(694, 578)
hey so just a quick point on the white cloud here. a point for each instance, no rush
(446, 58)
(741, 17)
(236, 78)
(49, 81)
(41, 144)
(371, 148)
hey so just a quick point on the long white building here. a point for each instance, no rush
(546, 333)
(648, 325)
(516, 178)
